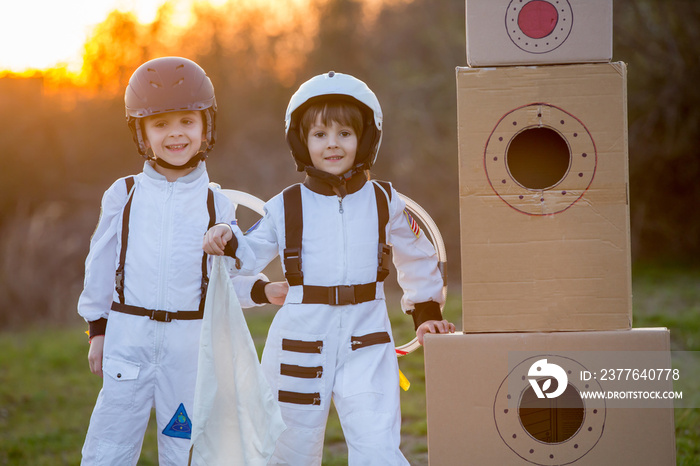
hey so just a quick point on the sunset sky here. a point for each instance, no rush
(45, 34)
(39, 34)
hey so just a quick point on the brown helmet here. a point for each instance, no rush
(169, 84)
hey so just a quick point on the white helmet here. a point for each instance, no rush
(335, 86)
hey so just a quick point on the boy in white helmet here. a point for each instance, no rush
(146, 274)
(332, 337)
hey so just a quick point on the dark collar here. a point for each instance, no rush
(331, 185)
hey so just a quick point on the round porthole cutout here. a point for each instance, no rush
(548, 431)
(540, 159)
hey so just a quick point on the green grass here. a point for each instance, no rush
(47, 392)
(668, 296)
(46, 396)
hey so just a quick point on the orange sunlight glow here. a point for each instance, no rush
(71, 42)
(52, 39)
(42, 34)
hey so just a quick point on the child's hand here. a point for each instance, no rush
(216, 238)
(434, 326)
(276, 292)
(97, 344)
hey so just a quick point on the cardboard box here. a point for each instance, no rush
(537, 32)
(543, 173)
(478, 414)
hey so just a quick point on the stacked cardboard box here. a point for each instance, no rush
(538, 32)
(545, 244)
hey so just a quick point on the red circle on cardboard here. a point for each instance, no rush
(538, 19)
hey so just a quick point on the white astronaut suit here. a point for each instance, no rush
(149, 362)
(322, 347)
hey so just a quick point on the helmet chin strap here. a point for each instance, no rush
(189, 164)
(337, 183)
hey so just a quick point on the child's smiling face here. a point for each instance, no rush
(174, 137)
(332, 146)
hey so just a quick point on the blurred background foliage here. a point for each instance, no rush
(65, 139)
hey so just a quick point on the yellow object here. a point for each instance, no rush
(403, 381)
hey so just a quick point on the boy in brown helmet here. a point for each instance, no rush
(144, 331)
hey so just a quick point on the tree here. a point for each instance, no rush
(659, 41)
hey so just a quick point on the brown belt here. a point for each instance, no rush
(160, 316)
(339, 295)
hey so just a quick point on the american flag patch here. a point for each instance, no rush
(412, 223)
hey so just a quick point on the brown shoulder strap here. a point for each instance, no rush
(384, 251)
(119, 276)
(293, 230)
